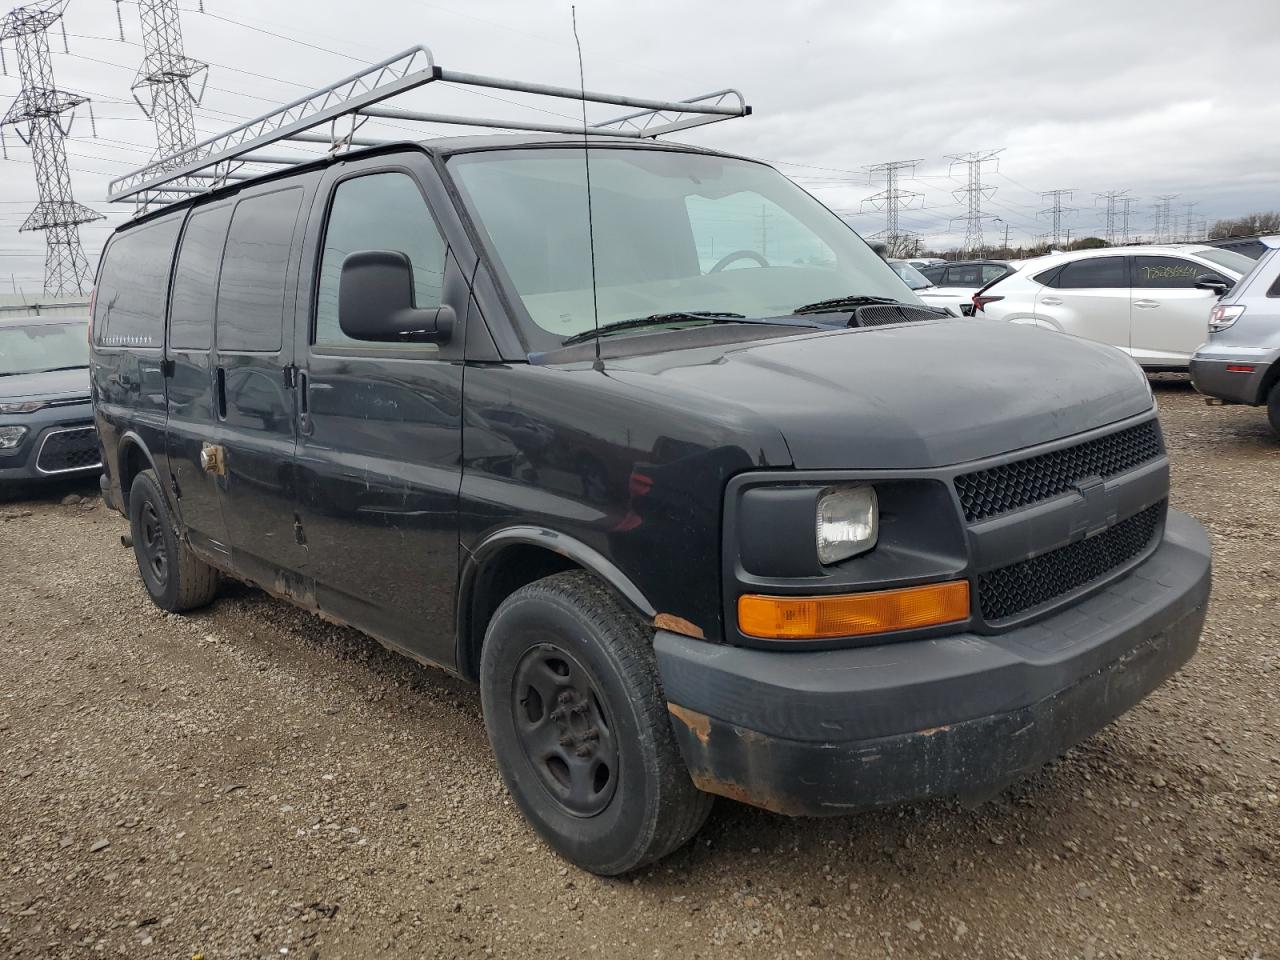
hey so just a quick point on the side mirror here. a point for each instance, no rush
(1207, 281)
(375, 301)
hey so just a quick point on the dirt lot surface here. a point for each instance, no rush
(252, 782)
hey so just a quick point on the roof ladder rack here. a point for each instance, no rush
(346, 106)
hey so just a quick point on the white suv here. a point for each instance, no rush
(1152, 302)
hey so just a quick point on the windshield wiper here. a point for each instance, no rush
(656, 319)
(74, 366)
(844, 304)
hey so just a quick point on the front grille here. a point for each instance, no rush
(880, 315)
(72, 449)
(1008, 591)
(988, 493)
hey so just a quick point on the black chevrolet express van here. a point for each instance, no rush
(696, 503)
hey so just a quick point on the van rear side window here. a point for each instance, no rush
(255, 264)
(195, 280)
(133, 288)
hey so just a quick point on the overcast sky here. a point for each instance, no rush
(1168, 97)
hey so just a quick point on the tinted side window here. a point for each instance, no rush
(1092, 274)
(195, 280)
(1167, 272)
(134, 285)
(933, 274)
(380, 211)
(1049, 277)
(254, 267)
(966, 276)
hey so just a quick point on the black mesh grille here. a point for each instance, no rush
(1020, 586)
(882, 314)
(69, 450)
(987, 493)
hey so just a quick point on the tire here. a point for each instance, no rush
(600, 708)
(176, 578)
(1273, 408)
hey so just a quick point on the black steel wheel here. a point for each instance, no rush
(564, 729)
(580, 728)
(151, 546)
(175, 577)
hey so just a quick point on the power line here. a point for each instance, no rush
(42, 107)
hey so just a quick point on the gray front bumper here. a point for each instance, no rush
(831, 731)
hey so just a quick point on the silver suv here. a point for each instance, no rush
(1241, 361)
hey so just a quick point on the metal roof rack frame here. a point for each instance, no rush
(345, 106)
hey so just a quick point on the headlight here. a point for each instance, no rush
(10, 437)
(848, 522)
(26, 406)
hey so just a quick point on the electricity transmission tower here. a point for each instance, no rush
(974, 192)
(1163, 228)
(1126, 202)
(1188, 233)
(42, 115)
(164, 86)
(891, 200)
(1057, 210)
(1113, 198)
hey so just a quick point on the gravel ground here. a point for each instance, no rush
(252, 782)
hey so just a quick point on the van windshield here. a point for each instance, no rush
(674, 233)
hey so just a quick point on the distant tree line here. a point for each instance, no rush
(1250, 225)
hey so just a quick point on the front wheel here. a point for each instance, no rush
(579, 727)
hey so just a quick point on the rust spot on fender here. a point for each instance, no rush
(669, 621)
(699, 724)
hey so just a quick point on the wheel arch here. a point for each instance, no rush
(132, 457)
(507, 560)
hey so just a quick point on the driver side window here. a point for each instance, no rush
(378, 211)
(745, 229)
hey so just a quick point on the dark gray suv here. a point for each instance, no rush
(46, 423)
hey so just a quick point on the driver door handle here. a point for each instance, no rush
(1146, 304)
(1051, 301)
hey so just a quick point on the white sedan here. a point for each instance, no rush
(1152, 302)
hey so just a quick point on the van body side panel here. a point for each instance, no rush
(193, 417)
(607, 463)
(126, 370)
(380, 424)
(255, 403)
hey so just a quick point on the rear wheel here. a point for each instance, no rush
(579, 727)
(1273, 408)
(175, 577)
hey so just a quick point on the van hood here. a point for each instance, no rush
(909, 396)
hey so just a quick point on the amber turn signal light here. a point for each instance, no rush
(853, 614)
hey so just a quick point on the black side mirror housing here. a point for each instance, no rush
(375, 301)
(1207, 281)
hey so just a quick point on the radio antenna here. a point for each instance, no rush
(586, 161)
